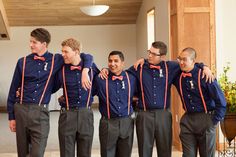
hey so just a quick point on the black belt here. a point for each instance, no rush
(116, 117)
(32, 104)
(153, 109)
(211, 112)
(208, 112)
(73, 108)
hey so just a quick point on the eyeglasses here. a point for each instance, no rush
(153, 53)
(179, 59)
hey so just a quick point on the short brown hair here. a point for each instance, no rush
(41, 35)
(72, 43)
(161, 46)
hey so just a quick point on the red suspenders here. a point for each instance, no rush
(107, 96)
(65, 89)
(142, 90)
(199, 88)
(22, 79)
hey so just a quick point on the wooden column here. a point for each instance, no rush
(192, 24)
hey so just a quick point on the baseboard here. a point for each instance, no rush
(3, 109)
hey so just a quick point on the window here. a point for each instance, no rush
(151, 26)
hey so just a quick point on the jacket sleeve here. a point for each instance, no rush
(15, 84)
(88, 60)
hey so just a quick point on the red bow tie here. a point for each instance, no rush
(75, 67)
(117, 77)
(155, 67)
(39, 58)
(186, 74)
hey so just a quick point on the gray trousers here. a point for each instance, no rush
(116, 137)
(76, 128)
(32, 128)
(197, 133)
(154, 125)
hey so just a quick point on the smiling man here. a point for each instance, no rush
(204, 104)
(115, 97)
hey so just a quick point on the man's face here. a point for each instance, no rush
(154, 56)
(115, 64)
(37, 47)
(186, 63)
(68, 54)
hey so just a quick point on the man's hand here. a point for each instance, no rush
(85, 80)
(208, 74)
(138, 62)
(12, 125)
(104, 73)
(61, 100)
(18, 93)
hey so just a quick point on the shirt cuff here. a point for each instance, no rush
(11, 116)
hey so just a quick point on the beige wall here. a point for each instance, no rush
(97, 40)
(225, 36)
(161, 25)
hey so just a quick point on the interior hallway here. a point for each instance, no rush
(8, 143)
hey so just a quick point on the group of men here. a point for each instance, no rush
(42, 73)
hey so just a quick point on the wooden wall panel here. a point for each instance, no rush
(196, 35)
(196, 3)
(173, 5)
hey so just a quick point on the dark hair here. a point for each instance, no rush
(161, 46)
(191, 51)
(41, 35)
(119, 53)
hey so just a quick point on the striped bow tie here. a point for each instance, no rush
(186, 74)
(117, 77)
(39, 58)
(155, 67)
(75, 67)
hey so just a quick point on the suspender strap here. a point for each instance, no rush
(166, 88)
(107, 96)
(128, 92)
(181, 92)
(89, 94)
(200, 90)
(22, 81)
(107, 99)
(142, 90)
(65, 89)
(50, 74)
(141, 86)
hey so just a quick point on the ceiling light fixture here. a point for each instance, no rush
(94, 10)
